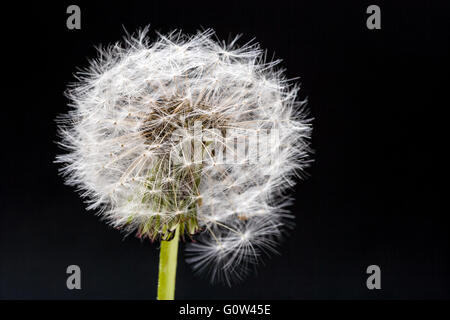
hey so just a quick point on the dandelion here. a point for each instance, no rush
(187, 137)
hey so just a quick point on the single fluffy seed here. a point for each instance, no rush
(138, 107)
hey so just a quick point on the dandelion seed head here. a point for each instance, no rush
(133, 125)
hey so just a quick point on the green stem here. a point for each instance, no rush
(168, 267)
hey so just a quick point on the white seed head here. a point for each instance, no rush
(188, 132)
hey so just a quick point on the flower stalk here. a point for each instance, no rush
(168, 267)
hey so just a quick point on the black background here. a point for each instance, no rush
(375, 194)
